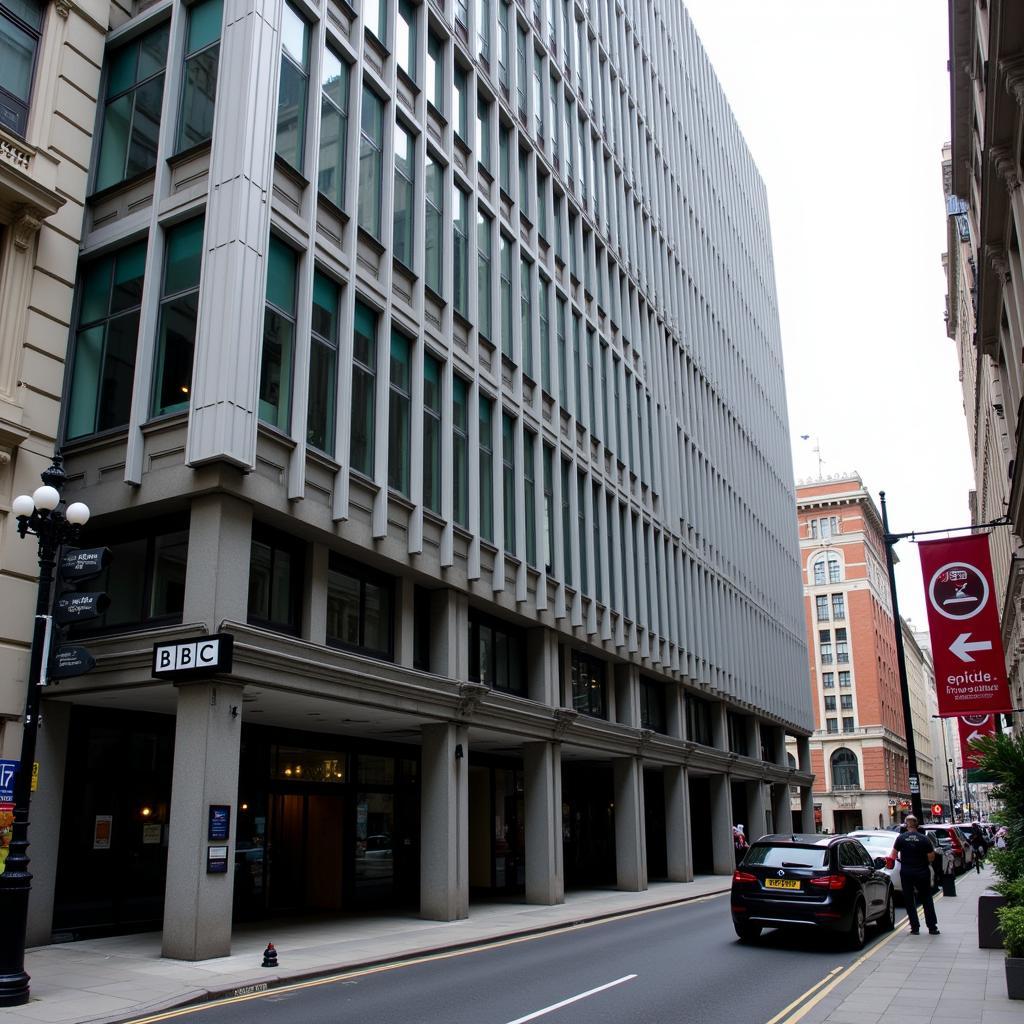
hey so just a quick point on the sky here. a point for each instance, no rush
(845, 107)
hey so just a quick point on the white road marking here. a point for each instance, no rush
(573, 999)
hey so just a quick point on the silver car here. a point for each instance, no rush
(879, 843)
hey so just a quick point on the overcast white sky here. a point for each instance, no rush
(845, 107)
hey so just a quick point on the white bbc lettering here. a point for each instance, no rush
(164, 659)
(186, 656)
(207, 653)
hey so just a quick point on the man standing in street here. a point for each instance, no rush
(915, 853)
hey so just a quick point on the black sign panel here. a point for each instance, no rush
(69, 661)
(83, 563)
(73, 608)
(181, 659)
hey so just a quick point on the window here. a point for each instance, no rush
(109, 296)
(833, 569)
(542, 204)
(278, 337)
(460, 451)
(828, 680)
(588, 696)
(483, 29)
(371, 157)
(275, 580)
(698, 721)
(400, 401)
(135, 90)
(331, 174)
(526, 316)
(375, 18)
(179, 307)
(199, 77)
(483, 252)
(496, 654)
(483, 133)
(566, 525)
(460, 103)
(503, 54)
(581, 529)
(830, 704)
(822, 607)
(505, 273)
(524, 183)
(563, 367)
(825, 646)
(838, 606)
(291, 96)
(521, 73)
(545, 337)
(652, 705)
(577, 368)
(530, 494)
(829, 562)
(549, 509)
(405, 38)
(832, 725)
(486, 471)
(505, 159)
(845, 769)
(434, 227)
(508, 488)
(364, 384)
(736, 732)
(435, 72)
(460, 252)
(405, 196)
(323, 364)
(846, 701)
(847, 724)
(538, 99)
(432, 377)
(596, 531)
(844, 679)
(842, 648)
(360, 608)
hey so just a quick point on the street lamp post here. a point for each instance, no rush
(955, 791)
(45, 516)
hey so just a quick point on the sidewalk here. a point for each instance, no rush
(920, 979)
(925, 979)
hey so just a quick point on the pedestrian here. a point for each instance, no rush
(979, 845)
(915, 854)
(739, 842)
(1001, 838)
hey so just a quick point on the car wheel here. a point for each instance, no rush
(858, 930)
(747, 932)
(887, 921)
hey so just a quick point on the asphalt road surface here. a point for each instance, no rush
(677, 964)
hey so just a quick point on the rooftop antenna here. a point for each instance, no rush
(817, 451)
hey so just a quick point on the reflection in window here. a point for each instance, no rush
(434, 228)
(331, 176)
(486, 470)
(359, 608)
(371, 150)
(652, 705)
(323, 364)
(398, 413)
(588, 682)
(496, 654)
(845, 769)
(21, 22)
(364, 383)
(405, 196)
(460, 451)
(483, 254)
(199, 78)
(275, 580)
(275, 399)
(405, 38)
(432, 377)
(291, 96)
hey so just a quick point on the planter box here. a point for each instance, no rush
(1015, 977)
(990, 935)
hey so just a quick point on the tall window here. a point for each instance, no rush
(364, 385)
(496, 654)
(549, 509)
(505, 271)
(331, 174)
(431, 433)
(483, 29)
(581, 525)
(508, 482)
(595, 528)
(842, 647)
(845, 769)
(826, 564)
(830, 703)
(588, 682)
(131, 113)
(291, 96)
(405, 38)
(405, 196)
(825, 646)
(821, 603)
(179, 306)
(526, 315)
(838, 606)
(199, 78)
(844, 678)
(400, 401)
(435, 72)
(828, 680)
(530, 494)
(323, 364)
(460, 451)
(848, 723)
(652, 705)
(275, 580)
(460, 103)
(538, 99)
(521, 86)
(486, 470)
(371, 162)
(375, 18)
(460, 251)
(483, 253)
(434, 228)
(110, 294)
(483, 133)
(503, 48)
(846, 701)
(278, 336)
(360, 608)
(545, 338)
(566, 525)
(563, 364)
(505, 159)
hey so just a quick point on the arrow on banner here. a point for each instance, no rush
(975, 736)
(961, 648)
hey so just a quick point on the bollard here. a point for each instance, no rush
(949, 885)
(269, 956)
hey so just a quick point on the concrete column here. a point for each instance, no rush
(781, 811)
(803, 753)
(449, 633)
(779, 755)
(753, 728)
(757, 804)
(405, 621)
(806, 809)
(545, 872)
(197, 905)
(630, 842)
(444, 823)
(564, 681)
(677, 824)
(314, 600)
(627, 695)
(719, 726)
(542, 666)
(217, 579)
(51, 753)
(675, 718)
(723, 855)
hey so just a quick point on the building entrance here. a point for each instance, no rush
(847, 821)
(305, 855)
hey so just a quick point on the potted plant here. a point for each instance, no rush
(1011, 921)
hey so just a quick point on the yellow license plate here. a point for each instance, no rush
(781, 883)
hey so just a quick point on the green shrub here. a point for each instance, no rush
(1010, 869)
(1011, 920)
(1002, 758)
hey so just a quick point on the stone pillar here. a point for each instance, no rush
(757, 804)
(719, 727)
(545, 872)
(542, 666)
(444, 823)
(753, 728)
(677, 824)
(803, 753)
(723, 855)
(449, 630)
(675, 718)
(197, 905)
(405, 621)
(630, 841)
(217, 579)
(807, 809)
(51, 753)
(781, 811)
(626, 693)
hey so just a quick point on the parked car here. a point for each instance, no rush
(811, 881)
(879, 843)
(963, 856)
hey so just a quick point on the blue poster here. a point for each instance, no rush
(220, 822)
(8, 770)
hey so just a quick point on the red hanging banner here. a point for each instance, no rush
(974, 727)
(967, 648)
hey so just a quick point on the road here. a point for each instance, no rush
(671, 965)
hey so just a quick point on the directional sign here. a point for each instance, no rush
(970, 669)
(70, 660)
(83, 563)
(974, 727)
(74, 607)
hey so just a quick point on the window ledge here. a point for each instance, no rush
(282, 165)
(187, 154)
(28, 186)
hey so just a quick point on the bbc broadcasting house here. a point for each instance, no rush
(430, 352)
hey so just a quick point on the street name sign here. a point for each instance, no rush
(70, 660)
(184, 659)
(970, 668)
(75, 607)
(974, 727)
(83, 563)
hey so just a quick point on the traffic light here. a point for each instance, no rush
(72, 607)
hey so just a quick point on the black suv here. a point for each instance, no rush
(811, 881)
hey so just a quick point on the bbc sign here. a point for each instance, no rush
(188, 658)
